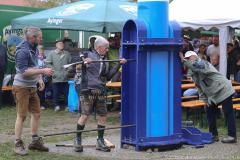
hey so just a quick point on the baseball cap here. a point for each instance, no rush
(190, 53)
(186, 37)
(58, 40)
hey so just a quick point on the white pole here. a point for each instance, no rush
(80, 37)
(223, 40)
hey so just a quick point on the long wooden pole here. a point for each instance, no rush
(96, 61)
(88, 130)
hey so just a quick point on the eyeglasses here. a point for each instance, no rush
(105, 47)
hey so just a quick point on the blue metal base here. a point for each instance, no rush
(190, 135)
(194, 136)
(162, 143)
(145, 146)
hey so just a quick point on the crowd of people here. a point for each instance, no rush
(34, 71)
(209, 50)
(201, 65)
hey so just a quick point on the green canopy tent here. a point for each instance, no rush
(86, 15)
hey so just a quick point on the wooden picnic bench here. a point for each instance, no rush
(235, 106)
(236, 85)
(6, 88)
(114, 84)
(187, 98)
(114, 96)
(201, 103)
(193, 103)
(187, 81)
(198, 105)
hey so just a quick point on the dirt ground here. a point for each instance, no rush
(218, 151)
(63, 121)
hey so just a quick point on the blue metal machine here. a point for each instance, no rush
(151, 86)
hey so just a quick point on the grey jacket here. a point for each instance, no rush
(95, 75)
(213, 87)
(56, 59)
(26, 57)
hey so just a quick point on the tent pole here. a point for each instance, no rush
(223, 40)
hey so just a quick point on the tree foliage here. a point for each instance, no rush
(48, 3)
(54, 3)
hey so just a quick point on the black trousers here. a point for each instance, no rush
(227, 106)
(58, 89)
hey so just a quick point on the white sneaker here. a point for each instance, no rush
(57, 108)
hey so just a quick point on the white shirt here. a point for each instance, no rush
(213, 49)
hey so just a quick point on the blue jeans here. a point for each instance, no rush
(227, 106)
(58, 89)
(191, 92)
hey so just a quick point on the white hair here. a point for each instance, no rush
(31, 31)
(214, 55)
(100, 41)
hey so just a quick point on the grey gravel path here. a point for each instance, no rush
(217, 150)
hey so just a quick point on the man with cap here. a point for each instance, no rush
(215, 89)
(56, 59)
(187, 46)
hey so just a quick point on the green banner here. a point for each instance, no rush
(11, 39)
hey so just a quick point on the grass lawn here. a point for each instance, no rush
(222, 130)
(6, 151)
(52, 122)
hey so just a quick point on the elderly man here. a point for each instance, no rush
(25, 90)
(56, 60)
(214, 59)
(92, 94)
(214, 89)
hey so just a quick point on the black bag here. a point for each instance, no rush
(3, 57)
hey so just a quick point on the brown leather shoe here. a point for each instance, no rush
(37, 144)
(102, 146)
(19, 148)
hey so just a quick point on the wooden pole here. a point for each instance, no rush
(89, 130)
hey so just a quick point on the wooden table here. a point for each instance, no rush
(119, 84)
(114, 84)
(187, 81)
(194, 103)
(236, 88)
(183, 86)
(6, 88)
(187, 86)
(234, 83)
(192, 85)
